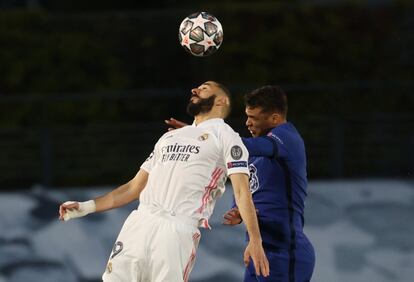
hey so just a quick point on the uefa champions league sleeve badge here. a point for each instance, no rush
(236, 152)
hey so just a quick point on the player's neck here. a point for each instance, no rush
(203, 117)
(281, 122)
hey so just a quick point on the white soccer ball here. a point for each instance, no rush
(201, 34)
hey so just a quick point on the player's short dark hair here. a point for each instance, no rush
(224, 88)
(227, 93)
(271, 98)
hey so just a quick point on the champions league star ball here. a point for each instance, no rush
(200, 34)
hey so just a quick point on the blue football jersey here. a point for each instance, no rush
(278, 183)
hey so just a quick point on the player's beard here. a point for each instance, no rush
(204, 105)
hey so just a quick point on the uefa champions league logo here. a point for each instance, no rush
(254, 180)
(236, 152)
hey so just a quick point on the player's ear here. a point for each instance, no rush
(275, 118)
(221, 100)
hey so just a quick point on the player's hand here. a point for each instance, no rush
(69, 210)
(232, 217)
(255, 251)
(174, 124)
(67, 207)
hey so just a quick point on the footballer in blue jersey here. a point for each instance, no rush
(278, 184)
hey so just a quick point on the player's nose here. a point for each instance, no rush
(195, 91)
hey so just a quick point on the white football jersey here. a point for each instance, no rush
(189, 167)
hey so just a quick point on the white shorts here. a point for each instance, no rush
(153, 245)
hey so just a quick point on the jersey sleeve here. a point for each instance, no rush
(235, 154)
(149, 163)
(151, 160)
(270, 146)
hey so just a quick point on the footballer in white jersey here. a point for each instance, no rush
(177, 187)
(189, 166)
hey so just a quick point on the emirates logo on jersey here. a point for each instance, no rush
(177, 152)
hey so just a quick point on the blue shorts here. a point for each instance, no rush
(286, 266)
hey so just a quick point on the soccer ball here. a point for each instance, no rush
(201, 34)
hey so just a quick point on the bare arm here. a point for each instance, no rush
(124, 194)
(244, 201)
(254, 249)
(118, 197)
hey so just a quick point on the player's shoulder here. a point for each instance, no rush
(284, 133)
(167, 134)
(218, 126)
(226, 127)
(225, 130)
(220, 131)
(172, 133)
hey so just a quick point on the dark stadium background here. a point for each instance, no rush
(85, 87)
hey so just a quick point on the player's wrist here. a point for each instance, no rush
(87, 207)
(255, 239)
(84, 208)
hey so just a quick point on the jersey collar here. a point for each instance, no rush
(208, 122)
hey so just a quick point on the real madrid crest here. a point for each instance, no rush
(203, 137)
